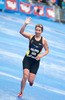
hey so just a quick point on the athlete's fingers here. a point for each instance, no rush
(37, 58)
(29, 18)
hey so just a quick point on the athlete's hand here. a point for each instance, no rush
(38, 57)
(28, 20)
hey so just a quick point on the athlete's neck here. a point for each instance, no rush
(37, 38)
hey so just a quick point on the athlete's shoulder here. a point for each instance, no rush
(31, 36)
(44, 40)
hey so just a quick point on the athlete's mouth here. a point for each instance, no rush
(37, 34)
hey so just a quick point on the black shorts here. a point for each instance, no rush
(31, 64)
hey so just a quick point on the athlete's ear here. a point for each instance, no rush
(41, 31)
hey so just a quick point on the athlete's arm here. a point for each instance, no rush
(27, 35)
(45, 47)
(46, 50)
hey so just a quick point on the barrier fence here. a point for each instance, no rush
(59, 14)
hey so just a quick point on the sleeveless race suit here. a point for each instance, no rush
(35, 47)
(29, 61)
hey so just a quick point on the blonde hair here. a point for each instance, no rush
(39, 25)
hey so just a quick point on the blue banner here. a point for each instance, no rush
(2, 4)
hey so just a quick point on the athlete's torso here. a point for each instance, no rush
(35, 47)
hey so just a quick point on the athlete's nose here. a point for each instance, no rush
(37, 31)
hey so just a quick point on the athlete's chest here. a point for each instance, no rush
(36, 44)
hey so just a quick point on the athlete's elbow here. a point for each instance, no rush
(20, 32)
(48, 51)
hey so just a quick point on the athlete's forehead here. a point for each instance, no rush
(38, 28)
(39, 25)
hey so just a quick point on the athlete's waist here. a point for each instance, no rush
(31, 57)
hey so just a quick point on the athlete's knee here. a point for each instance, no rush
(30, 82)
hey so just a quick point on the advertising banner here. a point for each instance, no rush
(25, 8)
(11, 5)
(50, 13)
(38, 10)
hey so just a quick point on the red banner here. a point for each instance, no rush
(38, 10)
(11, 5)
(50, 13)
(24, 7)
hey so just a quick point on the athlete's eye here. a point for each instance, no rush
(38, 30)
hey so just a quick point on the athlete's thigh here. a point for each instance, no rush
(26, 63)
(34, 67)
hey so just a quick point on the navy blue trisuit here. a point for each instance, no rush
(29, 61)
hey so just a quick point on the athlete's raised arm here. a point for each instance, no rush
(27, 35)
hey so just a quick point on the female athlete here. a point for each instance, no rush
(32, 58)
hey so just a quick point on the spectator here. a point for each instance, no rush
(40, 1)
(60, 3)
(50, 2)
(43, 1)
(63, 4)
(37, 1)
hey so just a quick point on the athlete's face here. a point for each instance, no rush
(38, 31)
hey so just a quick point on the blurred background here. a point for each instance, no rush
(50, 80)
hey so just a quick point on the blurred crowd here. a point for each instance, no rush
(51, 3)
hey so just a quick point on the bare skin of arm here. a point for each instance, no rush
(27, 35)
(46, 50)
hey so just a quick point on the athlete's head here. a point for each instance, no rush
(40, 26)
(38, 29)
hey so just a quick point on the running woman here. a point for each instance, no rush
(32, 58)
